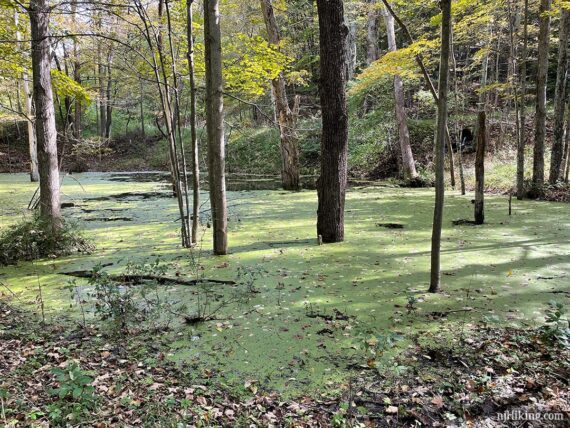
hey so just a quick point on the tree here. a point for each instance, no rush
(372, 49)
(29, 113)
(560, 97)
(541, 76)
(408, 163)
(286, 118)
(331, 185)
(522, 121)
(46, 132)
(215, 125)
(440, 145)
(480, 169)
(193, 136)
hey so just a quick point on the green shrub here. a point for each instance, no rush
(34, 239)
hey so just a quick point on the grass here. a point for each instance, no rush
(507, 268)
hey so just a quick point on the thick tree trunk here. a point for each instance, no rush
(408, 163)
(372, 48)
(435, 277)
(29, 111)
(290, 170)
(215, 125)
(560, 98)
(193, 133)
(522, 135)
(46, 132)
(540, 116)
(331, 185)
(480, 168)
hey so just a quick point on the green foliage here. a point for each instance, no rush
(65, 86)
(557, 328)
(34, 238)
(75, 393)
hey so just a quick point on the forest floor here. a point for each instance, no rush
(308, 334)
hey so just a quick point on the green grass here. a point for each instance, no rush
(507, 267)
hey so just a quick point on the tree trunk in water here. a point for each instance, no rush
(408, 163)
(215, 125)
(560, 98)
(435, 277)
(480, 169)
(32, 144)
(522, 135)
(193, 135)
(372, 49)
(46, 132)
(331, 185)
(290, 170)
(540, 117)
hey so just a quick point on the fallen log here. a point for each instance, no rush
(138, 279)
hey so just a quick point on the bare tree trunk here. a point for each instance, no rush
(215, 125)
(108, 96)
(458, 132)
(522, 135)
(480, 169)
(560, 97)
(193, 134)
(408, 163)
(141, 106)
(290, 169)
(76, 77)
(29, 110)
(435, 277)
(567, 169)
(331, 185)
(372, 48)
(46, 131)
(540, 117)
(431, 87)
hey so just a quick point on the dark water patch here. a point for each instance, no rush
(132, 196)
(463, 222)
(67, 205)
(114, 210)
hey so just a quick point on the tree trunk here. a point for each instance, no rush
(522, 135)
(108, 97)
(560, 98)
(440, 145)
(215, 125)
(290, 170)
(193, 134)
(331, 185)
(372, 48)
(480, 169)
(408, 163)
(76, 77)
(46, 132)
(141, 107)
(540, 117)
(29, 111)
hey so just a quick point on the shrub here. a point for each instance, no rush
(34, 239)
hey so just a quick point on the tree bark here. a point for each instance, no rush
(46, 132)
(522, 135)
(215, 125)
(331, 185)
(108, 96)
(540, 116)
(290, 169)
(560, 98)
(435, 277)
(193, 133)
(408, 163)
(29, 111)
(372, 48)
(77, 78)
(480, 168)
